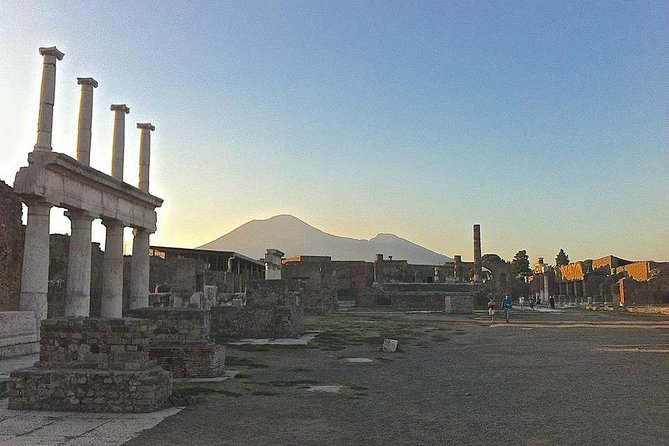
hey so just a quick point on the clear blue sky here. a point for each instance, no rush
(545, 122)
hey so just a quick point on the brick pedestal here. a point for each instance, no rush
(181, 342)
(92, 365)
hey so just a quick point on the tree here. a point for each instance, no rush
(561, 259)
(491, 258)
(520, 265)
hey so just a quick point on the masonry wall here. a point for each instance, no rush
(11, 248)
(285, 321)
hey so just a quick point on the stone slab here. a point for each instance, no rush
(18, 333)
(51, 428)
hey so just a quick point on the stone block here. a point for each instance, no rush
(18, 333)
(389, 345)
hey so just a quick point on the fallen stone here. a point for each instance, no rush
(389, 345)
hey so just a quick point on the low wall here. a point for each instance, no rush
(420, 296)
(283, 321)
(459, 304)
(181, 341)
(176, 324)
(319, 301)
(18, 333)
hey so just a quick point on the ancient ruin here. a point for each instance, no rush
(86, 364)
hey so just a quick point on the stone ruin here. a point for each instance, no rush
(87, 364)
(181, 341)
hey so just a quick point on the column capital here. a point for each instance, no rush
(111, 222)
(78, 214)
(120, 107)
(145, 125)
(51, 51)
(87, 81)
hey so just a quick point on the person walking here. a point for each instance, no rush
(491, 309)
(506, 307)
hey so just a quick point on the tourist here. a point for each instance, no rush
(521, 302)
(506, 307)
(551, 300)
(491, 309)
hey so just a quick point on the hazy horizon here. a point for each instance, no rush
(544, 122)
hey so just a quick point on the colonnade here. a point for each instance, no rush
(83, 188)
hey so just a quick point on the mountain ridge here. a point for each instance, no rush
(294, 236)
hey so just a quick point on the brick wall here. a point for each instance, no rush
(11, 248)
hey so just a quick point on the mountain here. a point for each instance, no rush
(295, 237)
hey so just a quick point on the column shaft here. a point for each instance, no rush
(477, 254)
(118, 143)
(85, 119)
(35, 273)
(78, 290)
(139, 270)
(144, 155)
(112, 278)
(47, 95)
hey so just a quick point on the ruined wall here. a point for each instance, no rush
(420, 273)
(285, 321)
(11, 248)
(639, 271)
(652, 292)
(420, 296)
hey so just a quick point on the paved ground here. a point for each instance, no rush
(548, 378)
(38, 428)
(568, 378)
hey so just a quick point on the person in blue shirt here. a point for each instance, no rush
(506, 307)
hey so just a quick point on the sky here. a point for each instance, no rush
(547, 123)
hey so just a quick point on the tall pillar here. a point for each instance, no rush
(457, 268)
(35, 273)
(378, 268)
(547, 289)
(46, 97)
(144, 154)
(139, 269)
(111, 305)
(78, 290)
(118, 143)
(477, 254)
(85, 119)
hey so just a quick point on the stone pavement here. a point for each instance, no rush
(46, 428)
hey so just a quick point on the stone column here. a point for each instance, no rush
(118, 143)
(477, 254)
(78, 291)
(85, 119)
(111, 305)
(457, 268)
(139, 269)
(35, 273)
(378, 268)
(46, 97)
(144, 154)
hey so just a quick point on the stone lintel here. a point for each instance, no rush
(63, 181)
(146, 125)
(87, 81)
(120, 107)
(51, 51)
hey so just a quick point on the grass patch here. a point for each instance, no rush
(299, 383)
(235, 361)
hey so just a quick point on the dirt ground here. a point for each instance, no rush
(573, 378)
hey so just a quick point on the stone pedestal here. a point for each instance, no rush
(92, 365)
(181, 342)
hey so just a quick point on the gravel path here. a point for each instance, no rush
(575, 378)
